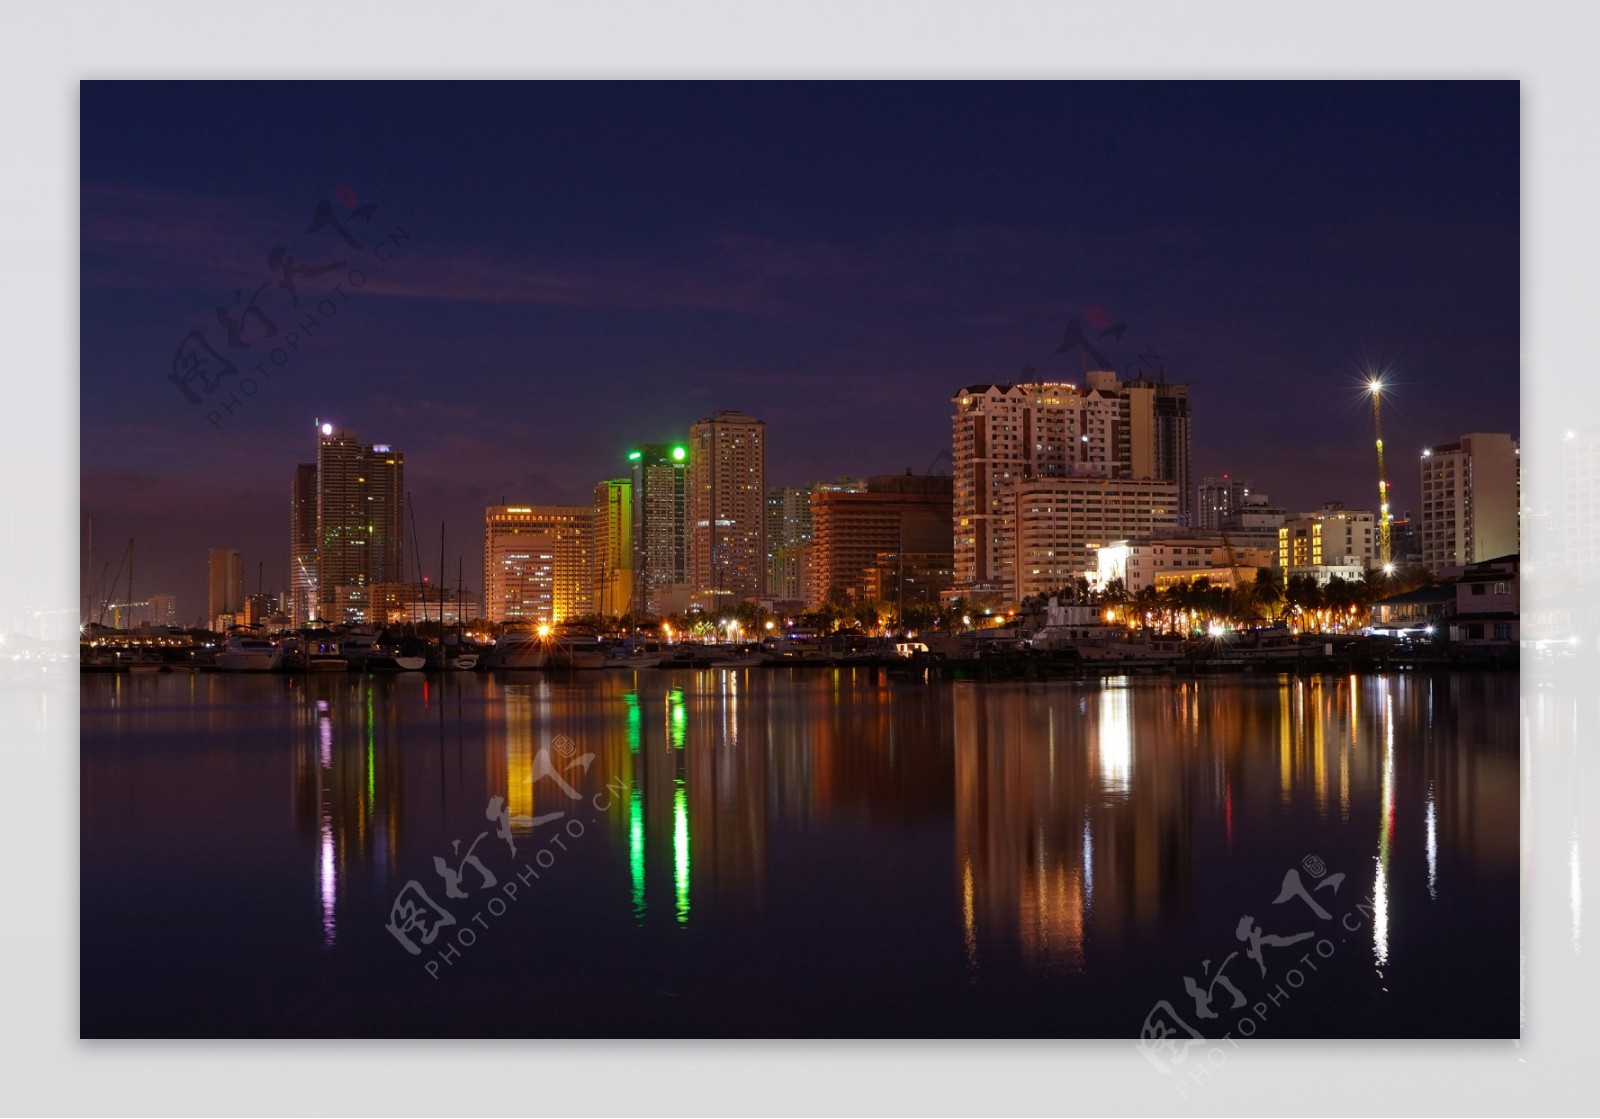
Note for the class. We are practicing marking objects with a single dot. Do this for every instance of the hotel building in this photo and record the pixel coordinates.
(536, 563)
(1334, 542)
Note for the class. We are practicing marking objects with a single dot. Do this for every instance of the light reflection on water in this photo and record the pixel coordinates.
(1078, 833)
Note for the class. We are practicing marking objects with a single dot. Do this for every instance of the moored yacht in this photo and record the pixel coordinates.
(248, 654)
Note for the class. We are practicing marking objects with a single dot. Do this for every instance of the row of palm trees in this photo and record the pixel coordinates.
(1269, 599)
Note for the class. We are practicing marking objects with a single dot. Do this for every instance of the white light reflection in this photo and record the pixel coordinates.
(325, 741)
(1115, 741)
(1575, 889)
(1088, 863)
(327, 880)
(1433, 846)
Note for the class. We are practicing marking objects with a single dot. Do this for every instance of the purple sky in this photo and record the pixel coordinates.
(593, 265)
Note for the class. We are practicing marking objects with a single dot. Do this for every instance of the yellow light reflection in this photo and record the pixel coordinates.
(1380, 887)
(968, 917)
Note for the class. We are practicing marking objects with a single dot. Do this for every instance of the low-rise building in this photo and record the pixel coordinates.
(1157, 561)
(1422, 609)
(1487, 604)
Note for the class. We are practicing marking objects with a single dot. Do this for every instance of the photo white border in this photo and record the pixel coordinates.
(49, 1071)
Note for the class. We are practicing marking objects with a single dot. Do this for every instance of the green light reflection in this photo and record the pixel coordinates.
(636, 851)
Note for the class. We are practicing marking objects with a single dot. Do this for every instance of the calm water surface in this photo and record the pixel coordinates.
(797, 853)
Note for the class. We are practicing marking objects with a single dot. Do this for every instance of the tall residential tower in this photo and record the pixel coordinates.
(727, 508)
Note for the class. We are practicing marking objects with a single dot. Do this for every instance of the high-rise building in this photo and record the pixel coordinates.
(1004, 435)
(1219, 498)
(522, 542)
(1471, 492)
(224, 583)
(303, 544)
(360, 520)
(856, 534)
(660, 526)
(613, 547)
(1334, 541)
(1062, 523)
(727, 508)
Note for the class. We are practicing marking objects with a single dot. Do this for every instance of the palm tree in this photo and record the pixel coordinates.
(1267, 595)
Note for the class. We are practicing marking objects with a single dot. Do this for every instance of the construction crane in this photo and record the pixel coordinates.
(1240, 595)
(1385, 553)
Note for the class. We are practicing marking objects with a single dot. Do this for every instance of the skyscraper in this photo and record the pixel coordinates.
(520, 543)
(224, 583)
(612, 558)
(1006, 435)
(727, 508)
(303, 544)
(660, 526)
(1471, 493)
(360, 521)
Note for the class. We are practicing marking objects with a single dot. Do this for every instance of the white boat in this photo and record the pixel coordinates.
(462, 662)
(750, 661)
(634, 660)
(248, 654)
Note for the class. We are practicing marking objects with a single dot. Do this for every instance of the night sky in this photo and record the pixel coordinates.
(591, 265)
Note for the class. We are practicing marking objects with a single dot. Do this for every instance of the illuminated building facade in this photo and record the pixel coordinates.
(1060, 525)
(409, 603)
(1161, 560)
(1471, 492)
(536, 563)
(360, 520)
(613, 547)
(660, 525)
(1007, 435)
(852, 532)
(224, 583)
(1335, 542)
(727, 508)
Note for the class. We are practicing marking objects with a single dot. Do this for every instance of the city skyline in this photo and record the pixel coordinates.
(944, 241)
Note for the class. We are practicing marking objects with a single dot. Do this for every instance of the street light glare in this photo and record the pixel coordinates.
(1375, 385)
